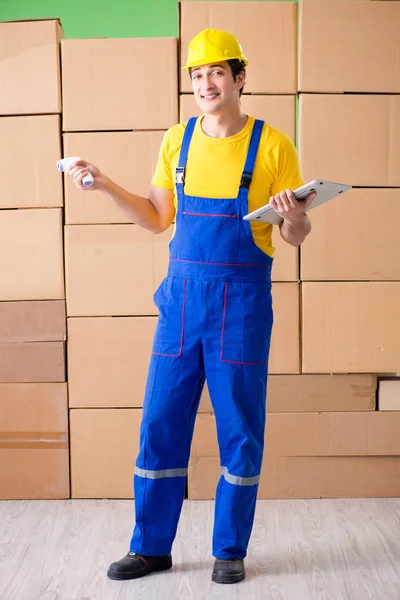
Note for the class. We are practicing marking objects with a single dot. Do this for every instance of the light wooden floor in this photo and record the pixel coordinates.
(300, 550)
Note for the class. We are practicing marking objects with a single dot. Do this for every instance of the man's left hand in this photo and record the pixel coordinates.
(290, 209)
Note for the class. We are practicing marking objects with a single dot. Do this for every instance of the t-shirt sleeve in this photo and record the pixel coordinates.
(162, 177)
(288, 173)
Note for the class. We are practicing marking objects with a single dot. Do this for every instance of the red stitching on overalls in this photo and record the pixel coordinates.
(209, 215)
(183, 326)
(233, 362)
(219, 263)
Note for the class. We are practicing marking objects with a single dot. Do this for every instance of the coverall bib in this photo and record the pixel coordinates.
(215, 320)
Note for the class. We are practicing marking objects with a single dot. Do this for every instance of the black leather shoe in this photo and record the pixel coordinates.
(229, 570)
(135, 565)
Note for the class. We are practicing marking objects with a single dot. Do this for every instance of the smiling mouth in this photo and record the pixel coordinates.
(210, 96)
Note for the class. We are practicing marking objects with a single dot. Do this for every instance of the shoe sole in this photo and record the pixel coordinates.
(124, 576)
(228, 578)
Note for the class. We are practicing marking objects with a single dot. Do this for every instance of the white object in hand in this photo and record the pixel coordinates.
(64, 163)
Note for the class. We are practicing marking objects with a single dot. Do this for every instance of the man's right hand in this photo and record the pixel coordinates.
(80, 169)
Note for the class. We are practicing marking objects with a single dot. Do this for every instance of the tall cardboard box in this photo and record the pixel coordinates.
(284, 355)
(350, 327)
(29, 149)
(30, 67)
(113, 270)
(266, 31)
(31, 254)
(366, 253)
(114, 84)
(312, 393)
(278, 111)
(357, 45)
(108, 359)
(104, 447)
(34, 457)
(350, 138)
(128, 158)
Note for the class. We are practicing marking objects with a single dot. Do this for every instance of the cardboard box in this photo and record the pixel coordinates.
(308, 477)
(104, 447)
(266, 31)
(31, 254)
(114, 84)
(351, 327)
(286, 259)
(113, 270)
(371, 433)
(32, 362)
(129, 158)
(352, 139)
(389, 394)
(278, 111)
(39, 321)
(285, 341)
(312, 393)
(34, 458)
(108, 360)
(29, 149)
(349, 47)
(369, 252)
(30, 67)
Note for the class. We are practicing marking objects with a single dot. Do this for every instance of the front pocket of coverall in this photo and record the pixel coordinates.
(246, 323)
(170, 299)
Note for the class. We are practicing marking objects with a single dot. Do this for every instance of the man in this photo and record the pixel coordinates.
(215, 307)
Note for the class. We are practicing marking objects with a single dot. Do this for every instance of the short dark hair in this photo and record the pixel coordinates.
(237, 66)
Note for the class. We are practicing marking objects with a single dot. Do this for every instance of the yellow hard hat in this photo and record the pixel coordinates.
(212, 46)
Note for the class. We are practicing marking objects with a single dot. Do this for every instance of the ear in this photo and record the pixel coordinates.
(241, 79)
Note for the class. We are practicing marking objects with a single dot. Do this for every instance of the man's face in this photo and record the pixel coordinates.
(214, 87)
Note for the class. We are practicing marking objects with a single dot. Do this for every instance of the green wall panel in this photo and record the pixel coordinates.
(101, 18)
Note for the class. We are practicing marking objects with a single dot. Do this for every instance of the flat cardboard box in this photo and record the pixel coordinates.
(284, 355)
(307, 477)
(113, 270)
(266, 31)
(30, 67)
(34, 457)
(357, 44)
(114, 84)
(366, 253)
(38, 321)
(104, 447)
(348, 138)
(128, 158)
(372, 433)
(277, 111)
(29, 149)
(351, 327)
(312, 393)
(32, 362)
(389, 394)
(31, 254)
(108, 359)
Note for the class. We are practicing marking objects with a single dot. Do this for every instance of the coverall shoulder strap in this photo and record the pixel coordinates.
(251, 154)
(187, 136)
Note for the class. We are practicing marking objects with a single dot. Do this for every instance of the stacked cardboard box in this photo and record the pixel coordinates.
(114, 117)
(324, 436)
(33, 396)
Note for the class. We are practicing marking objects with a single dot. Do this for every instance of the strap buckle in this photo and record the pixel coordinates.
(180, 175)
(246, 180)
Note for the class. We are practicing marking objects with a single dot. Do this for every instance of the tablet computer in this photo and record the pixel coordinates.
(326, 190)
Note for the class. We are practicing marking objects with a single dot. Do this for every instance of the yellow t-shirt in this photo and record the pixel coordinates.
(215, 165)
